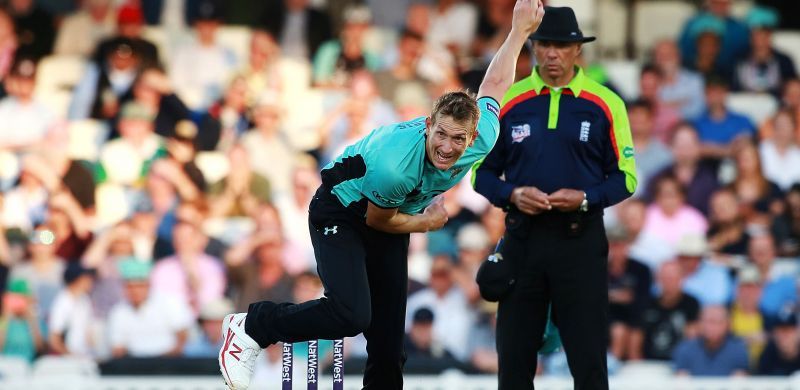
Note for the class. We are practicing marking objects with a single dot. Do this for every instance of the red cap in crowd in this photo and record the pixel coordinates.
(130, 14)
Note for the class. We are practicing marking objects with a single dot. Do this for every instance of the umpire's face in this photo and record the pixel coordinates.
(447, 140)
(556, 59)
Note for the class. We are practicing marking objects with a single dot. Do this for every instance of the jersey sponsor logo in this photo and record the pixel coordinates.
(520, 132)
(584, 136)
(491, 108)
(454, 172)
(383, 199)
(627, 152)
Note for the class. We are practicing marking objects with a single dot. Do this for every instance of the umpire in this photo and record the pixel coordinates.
(565, 153)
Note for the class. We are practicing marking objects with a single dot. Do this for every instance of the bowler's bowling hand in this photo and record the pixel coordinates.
(566, 199)
(436, 214)
(528, 15)
(530, 200)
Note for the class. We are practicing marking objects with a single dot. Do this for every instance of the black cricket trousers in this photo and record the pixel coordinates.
(560, 260)
(365, 275)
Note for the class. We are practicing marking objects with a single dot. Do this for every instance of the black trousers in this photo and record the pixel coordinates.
(365, 275)
(560, 262)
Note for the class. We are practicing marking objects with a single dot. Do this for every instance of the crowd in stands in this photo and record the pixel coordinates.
(191, 201)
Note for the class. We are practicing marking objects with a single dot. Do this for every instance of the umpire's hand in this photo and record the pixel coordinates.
(530, 200)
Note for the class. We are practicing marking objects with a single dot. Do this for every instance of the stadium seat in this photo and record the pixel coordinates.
(237, 39)
(611, 31)
(65, 366)
(789, 43)
(85, 138)
(655, 20)
(59, 73)
(625, 76)
(758, 107)
(12, 368)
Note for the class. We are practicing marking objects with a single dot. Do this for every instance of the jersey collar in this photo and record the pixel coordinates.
(575, 85)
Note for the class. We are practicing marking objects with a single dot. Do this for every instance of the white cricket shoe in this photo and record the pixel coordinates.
(238, 354)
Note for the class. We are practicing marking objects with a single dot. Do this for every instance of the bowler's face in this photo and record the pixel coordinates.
(447, 140)
(555, 59)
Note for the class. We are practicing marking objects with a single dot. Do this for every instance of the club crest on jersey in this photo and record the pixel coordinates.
(520, 132)
(584, 136)
(455, 171)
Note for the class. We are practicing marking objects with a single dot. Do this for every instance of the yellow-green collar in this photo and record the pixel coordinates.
(575, 85)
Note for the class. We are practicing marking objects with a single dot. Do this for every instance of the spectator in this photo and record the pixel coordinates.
(421, 344)
(293, 206)
(200, 86)
(268, 70)
(446, 300)
(227, 119)
(781, 357)
(702, 279)
(697, 176)
(8, 46)
(452, 26)
(474, 247)
(629, 283)
(707, 35)
(337, 60)
(715, 352)
(127, 160)
(652, 156)
(207, 340)
(130, 27)
(746, 320)
(481, 346)
(643, 246)
(103, 255)
(80, 32)
(255, 269)
(733, 33)
(665, 114)
(680, 88)
(719, 127)
(181, 153)
(667, 318)
(779, 290)
(26, 121)
(242, 190)
(35, 28)
(403, 76)
(59, 174)
(268, 142)
(146, 324)
(790, 101)
(70, 324)
(70, 226)
(299, 28)
(758, 196)
(25, 205)
(190, 275)
(360, 112)
(669, 217)
(43, 272)
(780, 154)
(107, 85)
(152, 89)
(786, 227)
(20, 335)
(765, 69)
(727, 233)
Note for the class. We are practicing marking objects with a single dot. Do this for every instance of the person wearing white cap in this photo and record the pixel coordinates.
(707, 281)
(206, 339)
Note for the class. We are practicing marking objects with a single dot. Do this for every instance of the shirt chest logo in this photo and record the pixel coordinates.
(520, 132)
(454, 172)
(584, 136)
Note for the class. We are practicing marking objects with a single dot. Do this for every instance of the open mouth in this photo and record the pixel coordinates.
(443, 158)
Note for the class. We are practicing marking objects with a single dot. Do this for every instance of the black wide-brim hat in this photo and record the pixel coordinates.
(559, 24)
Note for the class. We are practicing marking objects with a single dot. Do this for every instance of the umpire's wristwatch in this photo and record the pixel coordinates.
(584, 204)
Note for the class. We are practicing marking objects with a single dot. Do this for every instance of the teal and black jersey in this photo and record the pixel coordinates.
(389, 166)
